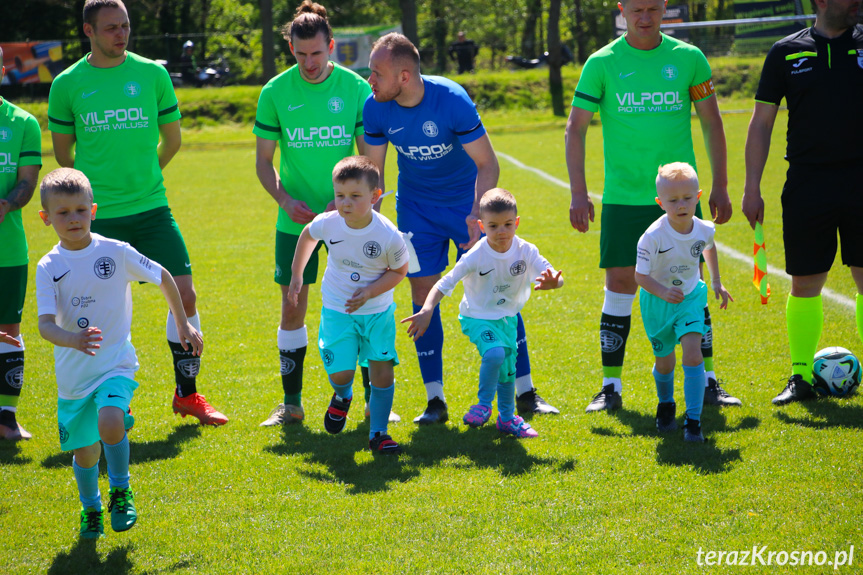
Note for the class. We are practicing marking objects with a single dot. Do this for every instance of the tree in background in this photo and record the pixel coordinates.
(555, 81)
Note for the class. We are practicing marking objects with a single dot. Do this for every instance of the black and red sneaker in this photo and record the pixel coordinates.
(384, 444)
(337, 414)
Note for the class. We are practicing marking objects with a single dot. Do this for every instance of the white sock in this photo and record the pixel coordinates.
(523, 384)
(618, 384)
(292, 338)
(434, 389)
(708, 375)
(171, 326)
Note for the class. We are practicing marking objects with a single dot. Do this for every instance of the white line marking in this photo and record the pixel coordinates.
(733, 254)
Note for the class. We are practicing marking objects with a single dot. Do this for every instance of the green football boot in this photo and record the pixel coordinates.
(91, 524)
(122, 508)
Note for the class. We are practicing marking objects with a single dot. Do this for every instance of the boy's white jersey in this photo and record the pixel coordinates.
(672, 258)
(357, 258)
(91, 288)
(496, 285)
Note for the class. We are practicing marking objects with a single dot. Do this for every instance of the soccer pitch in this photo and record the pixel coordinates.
(593, 493)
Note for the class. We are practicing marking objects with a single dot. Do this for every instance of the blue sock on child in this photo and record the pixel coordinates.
(506, 400)
(693, 390)
(87, 479)
(430, 348)
(664, 385)
(117, 458)
(380, 405)
(344, 391)
(489, 372)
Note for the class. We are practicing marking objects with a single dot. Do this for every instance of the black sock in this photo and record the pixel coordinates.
(367, 383)
(613, 332)
(11, 377)
(292, 373)
(186, 368)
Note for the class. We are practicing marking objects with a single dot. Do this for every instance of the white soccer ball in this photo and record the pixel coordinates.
(836, 371)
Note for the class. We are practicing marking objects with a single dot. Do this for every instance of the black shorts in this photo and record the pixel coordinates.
(818, 202)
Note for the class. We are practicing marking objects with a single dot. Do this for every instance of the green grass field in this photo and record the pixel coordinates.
(593, 494)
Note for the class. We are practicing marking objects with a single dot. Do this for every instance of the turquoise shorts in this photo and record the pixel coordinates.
(488, 333)
(78, 419)
(344, 338)
(665, 323)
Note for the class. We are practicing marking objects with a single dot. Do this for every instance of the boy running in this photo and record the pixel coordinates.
(673, 296)
(496, 274)
(85, 310)
(367, 258)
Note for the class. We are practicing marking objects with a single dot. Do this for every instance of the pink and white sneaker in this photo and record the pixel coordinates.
(516, 426)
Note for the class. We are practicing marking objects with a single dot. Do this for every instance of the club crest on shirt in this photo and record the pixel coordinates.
(518, 268)
(132, 89)
(372, 249)
(336, 105)
(669, 72)
(487, 336)
(104, 268)
(697, 248)
(6, 133)
(430, 129)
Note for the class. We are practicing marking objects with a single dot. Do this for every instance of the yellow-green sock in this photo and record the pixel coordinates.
(805, 319)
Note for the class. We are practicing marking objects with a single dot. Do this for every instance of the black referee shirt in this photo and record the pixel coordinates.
(822, 81)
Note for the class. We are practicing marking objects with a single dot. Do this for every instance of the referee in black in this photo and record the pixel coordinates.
(819, 72)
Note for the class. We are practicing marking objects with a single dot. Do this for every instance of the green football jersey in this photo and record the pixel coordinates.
(115, 114)
(644, 98)
(20, 145)
(316, 125)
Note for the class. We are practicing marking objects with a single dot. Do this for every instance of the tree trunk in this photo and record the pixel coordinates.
(528, 36)
(439, 35)
(268, 50)
(409, 21)
(555, 81)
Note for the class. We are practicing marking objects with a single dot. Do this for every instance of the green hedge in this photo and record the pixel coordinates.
(507, 90)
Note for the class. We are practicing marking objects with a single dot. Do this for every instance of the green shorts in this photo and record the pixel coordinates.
(345, 338)
(154, 233)
(620, 229)
(78, 419)
(665, 323)
(286, 245)
(14, 282)
(488, 333)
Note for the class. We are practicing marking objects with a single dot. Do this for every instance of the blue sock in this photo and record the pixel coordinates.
(117, 458)
(380, 405)
(489, 372)
(506, 400)
(522, 360)
(88, 485)
(430, 348)
(693, 390)
(345, 391)
(664, 385)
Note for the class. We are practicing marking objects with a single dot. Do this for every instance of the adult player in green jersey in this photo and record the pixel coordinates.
(313, 112)
(20, 160)
(113, 115)
(644, 85)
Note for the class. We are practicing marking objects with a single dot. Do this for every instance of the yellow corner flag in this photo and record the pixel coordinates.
(759, 251)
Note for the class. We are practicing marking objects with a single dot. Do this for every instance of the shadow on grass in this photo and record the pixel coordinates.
(826, 413)
(10, 453)
(429, 446)
(706, 457)
(83, 558)
(141, 452)
(338, 454)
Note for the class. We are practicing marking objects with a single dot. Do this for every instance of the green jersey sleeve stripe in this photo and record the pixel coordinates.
(766, 102)
(358, 125)
(61, 122)
(800, 55)
(29, 155)
(266, 127)
(167, 111)
(587, 97)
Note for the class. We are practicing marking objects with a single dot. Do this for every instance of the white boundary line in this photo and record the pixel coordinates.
(733, 254)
